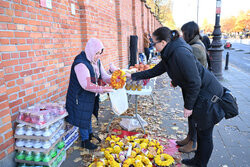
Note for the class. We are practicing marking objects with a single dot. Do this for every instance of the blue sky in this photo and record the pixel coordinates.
(186, 10)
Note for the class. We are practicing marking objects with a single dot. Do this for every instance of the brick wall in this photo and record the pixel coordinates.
(6, 138)
(99, 19)
(38, 45)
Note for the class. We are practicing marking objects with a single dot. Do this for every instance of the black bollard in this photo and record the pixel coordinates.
(227, 59)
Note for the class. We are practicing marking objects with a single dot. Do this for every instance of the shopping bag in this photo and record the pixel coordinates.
(132, 124)
(119, 101)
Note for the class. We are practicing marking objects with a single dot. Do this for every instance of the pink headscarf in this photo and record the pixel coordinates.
(93, 46)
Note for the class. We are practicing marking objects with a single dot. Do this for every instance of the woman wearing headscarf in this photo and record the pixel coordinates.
(195, 81)
(82, 98)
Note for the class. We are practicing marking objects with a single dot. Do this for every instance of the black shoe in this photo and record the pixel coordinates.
(189, 162)
(88, 145)
(91, 135)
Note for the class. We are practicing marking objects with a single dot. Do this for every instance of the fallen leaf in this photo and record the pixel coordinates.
(84, 153)
(180, 132)
(77, 159)
(175, 128)
(172, 137)
(76, 147)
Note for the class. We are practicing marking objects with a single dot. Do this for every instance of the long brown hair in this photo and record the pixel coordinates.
(190, 30)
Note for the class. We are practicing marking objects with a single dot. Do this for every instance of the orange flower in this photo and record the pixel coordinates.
(118, 79)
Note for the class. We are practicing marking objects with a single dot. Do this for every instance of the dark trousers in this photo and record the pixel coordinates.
(192, 129)
(146, 50)
(205, 146)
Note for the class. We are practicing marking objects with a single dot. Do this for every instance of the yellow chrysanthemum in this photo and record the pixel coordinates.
(145, 141)
(112, 143)
(133, 144)
(164, 160)
(150, 155)
(151, 144)
(108, 156)
(137, 141)
(120, 144)
(128, 162)
(117, 149)
(159, 151)
(143, 145)
(137, 150)
(108, 138)
(133, 154)
(138, 163)
(113, 163)
(138, 157)
(109, 149)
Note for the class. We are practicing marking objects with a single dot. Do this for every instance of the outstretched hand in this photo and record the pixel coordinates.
(107, 89)
(128, 75)
(172, 85)
(112, 67)
(187, 112)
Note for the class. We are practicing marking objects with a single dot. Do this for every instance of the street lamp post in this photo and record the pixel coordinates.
(216, 46)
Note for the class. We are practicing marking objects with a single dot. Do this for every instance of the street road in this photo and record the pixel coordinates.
(239, 56)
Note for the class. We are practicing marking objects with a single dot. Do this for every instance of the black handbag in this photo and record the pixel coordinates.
(227, 102)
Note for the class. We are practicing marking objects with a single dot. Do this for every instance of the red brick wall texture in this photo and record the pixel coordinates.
(38, 45)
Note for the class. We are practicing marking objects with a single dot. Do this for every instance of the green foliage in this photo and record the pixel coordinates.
(163, 11)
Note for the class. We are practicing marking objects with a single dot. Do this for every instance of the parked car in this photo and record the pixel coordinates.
(227, 45)
(225, 37)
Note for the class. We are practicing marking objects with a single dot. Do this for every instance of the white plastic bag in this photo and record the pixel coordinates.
(119, 101)
(132, 124)
(103, 97)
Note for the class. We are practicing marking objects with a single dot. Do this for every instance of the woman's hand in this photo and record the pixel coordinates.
(172, 84)
(112, 67)
(187, 112)
(128, 75)
(107, 89)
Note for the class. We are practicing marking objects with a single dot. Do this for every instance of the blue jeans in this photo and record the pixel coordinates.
(85, 132)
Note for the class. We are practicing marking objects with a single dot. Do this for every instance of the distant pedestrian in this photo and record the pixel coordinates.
(206, 42)
(146, 43)
(151, 41)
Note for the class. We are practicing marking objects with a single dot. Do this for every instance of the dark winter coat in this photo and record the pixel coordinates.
(206, 42)
(80, 103)
(187, 72)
